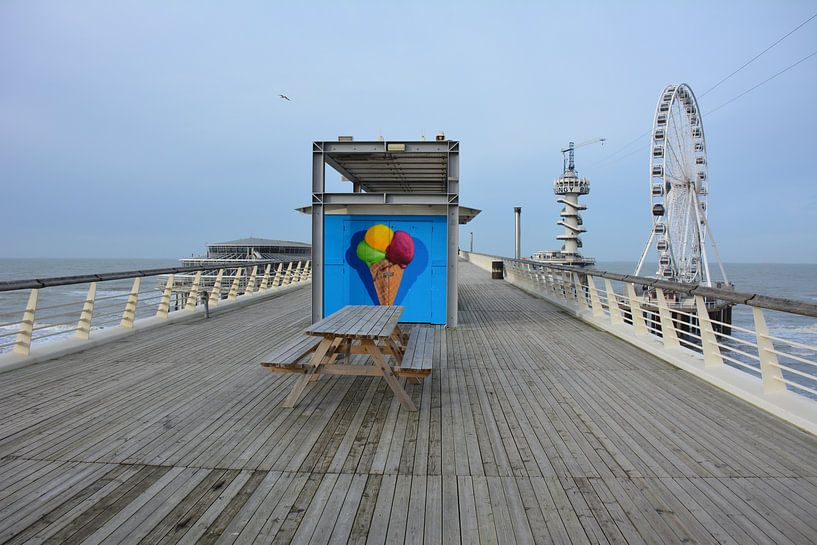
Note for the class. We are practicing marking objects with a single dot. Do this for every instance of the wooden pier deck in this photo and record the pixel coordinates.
(533, 428)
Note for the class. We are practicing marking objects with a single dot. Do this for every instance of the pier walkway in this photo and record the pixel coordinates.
(533, 428)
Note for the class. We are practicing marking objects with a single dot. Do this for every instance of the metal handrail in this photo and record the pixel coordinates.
(36, 283)
(132, 304)
(696, 342)
(792, 306)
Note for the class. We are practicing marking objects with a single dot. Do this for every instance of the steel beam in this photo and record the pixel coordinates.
(318, 188)
(452, 295)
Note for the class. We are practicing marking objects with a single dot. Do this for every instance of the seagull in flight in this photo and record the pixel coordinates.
(284, 97)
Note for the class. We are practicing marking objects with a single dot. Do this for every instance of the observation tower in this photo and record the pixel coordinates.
(568, 187)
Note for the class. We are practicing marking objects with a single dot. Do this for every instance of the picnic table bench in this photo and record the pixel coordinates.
(356, 329)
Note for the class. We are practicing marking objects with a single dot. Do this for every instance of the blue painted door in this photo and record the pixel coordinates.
(347, 279)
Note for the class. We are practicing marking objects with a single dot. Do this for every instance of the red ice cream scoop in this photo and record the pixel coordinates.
(401, 249)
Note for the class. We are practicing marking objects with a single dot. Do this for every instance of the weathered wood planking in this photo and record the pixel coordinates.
(533, 428)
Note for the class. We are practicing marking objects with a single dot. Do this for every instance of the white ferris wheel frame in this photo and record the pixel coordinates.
(679, 187)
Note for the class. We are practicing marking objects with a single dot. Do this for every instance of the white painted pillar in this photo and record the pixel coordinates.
(579, 290)
(251, 282)
(234, 287)
(595, 301)
(84, 324)
(194, 292)
(668, 332)
(612, 303)
(22, 345)
(215, 292)
(709, 342)
(130, 307)
(636, 313)
(265, 279)
(164, 303)
(770, 373)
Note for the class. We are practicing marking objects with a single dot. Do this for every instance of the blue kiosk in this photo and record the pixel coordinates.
(394, 238)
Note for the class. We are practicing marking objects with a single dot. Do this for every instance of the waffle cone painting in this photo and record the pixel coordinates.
(387, 253)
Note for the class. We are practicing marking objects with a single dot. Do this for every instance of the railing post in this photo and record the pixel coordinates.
(595, 302)
(581, 300)
(567, 286)
(234, 287)
(130, 307)
(552, 284)
(296, 275)
(22, 345)
(215, 292)
(770, 372)
(612, 303)
(251, 282)
(636, 314)
(164, 303)
(278, 280)
(667, 324)
(308, 270)
(709, 342)
(84, 324)
(265, 278)
(288, 276)
(193, 296)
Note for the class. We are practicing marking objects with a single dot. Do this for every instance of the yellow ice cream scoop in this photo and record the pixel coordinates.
(379, 237)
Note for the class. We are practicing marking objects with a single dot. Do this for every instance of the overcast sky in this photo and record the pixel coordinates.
(147, 129)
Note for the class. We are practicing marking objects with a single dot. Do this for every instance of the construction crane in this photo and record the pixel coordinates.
(568, 160)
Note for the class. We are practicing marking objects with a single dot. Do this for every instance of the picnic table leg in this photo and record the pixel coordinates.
(391, 380)
(298, 388)
(333, 356)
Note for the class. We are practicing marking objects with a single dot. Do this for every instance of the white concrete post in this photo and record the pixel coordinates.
(551, 281)
(251, 282)
(612, 303)
(194, 292)
(637, 315)
(265, 278)
(234, 287)
(22, 345)
(709, 342)
(770, 373)
(288, 276)
(164, 303)
(667, 324)
(296, 275)
(278, 280)
(215, 292)
(130, 307)
(84, 324)
(309, 269)
(595, 301)
(580, 298)
(567, 284)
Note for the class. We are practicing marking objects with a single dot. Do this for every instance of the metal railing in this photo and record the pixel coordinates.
(620, 304)
(119, 299)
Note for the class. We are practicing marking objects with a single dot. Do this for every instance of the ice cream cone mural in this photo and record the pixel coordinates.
(387, 253)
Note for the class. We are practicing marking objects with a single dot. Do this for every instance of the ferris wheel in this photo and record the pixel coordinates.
(679, 187)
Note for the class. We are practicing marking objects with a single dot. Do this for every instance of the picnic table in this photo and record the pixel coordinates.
(356, 329)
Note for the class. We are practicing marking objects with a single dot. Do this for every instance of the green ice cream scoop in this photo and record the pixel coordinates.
(369, 254)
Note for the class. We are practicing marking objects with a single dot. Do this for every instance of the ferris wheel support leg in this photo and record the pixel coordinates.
(714, 244)
(701, 218)
(644, 253)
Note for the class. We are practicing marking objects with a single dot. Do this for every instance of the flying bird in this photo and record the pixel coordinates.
(285, 97)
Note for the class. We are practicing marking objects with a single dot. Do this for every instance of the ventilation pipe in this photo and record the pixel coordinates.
(517, 254)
